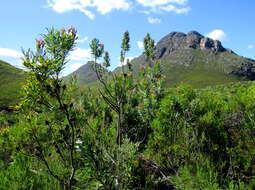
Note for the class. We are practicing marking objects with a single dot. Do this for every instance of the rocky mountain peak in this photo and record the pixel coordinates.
(209, 44)
(177, 41)
(195, 33)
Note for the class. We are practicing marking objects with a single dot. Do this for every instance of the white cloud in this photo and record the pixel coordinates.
(140, 44)
(144, 12)
(217, 35)
(172, 8)
(12, 57)
(82, 40)
(250, 46)
(153, 20)
(77, 58)
(154, 3)
(79, 54)
(102, 6)
(87, 13)
(165, 6)
(130, 58)
(6, 52)
(71, 67)
(106, 6)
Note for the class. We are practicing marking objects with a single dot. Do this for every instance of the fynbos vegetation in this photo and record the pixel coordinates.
(129, 133)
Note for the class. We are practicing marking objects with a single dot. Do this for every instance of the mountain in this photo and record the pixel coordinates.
(193, 59)
(85, 74)
(199, 61)
(11, 79)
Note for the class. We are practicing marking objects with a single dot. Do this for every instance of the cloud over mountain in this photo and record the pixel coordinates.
(217, 35)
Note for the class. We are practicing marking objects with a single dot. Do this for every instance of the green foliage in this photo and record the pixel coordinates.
(51, 120)
(213, 123)
(123, 94)
(197, 68)
(149, 47)
(127, 133)
(199, 176)
(12, 79)
(20, 176)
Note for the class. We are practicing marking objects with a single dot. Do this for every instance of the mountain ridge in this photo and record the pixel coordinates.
(197, 60)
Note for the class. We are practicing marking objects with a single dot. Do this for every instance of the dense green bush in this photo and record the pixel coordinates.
(128, 134)
(215, 124)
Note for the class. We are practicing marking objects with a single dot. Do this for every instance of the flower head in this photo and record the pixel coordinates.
(72, 30)
(101, 46)
(40, 43)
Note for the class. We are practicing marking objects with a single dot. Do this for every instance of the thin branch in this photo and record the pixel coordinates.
(44, 159)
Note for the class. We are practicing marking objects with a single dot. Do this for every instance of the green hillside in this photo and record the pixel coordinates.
(11, 79)
(85, 75)
(199, 68)
(191, 59)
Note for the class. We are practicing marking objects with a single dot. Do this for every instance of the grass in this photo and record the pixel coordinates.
(11, 79)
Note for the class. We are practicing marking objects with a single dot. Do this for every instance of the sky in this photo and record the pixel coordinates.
(23, 21)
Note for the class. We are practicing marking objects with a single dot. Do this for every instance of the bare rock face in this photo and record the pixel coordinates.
(193, 39)
(218, 46)
(211, 45)
(206, 44)
(170, 43)
(177, 41)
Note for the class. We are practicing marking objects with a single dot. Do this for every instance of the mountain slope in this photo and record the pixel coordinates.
(85, 74)
(11, 79)
(193, 59)
(199, 61)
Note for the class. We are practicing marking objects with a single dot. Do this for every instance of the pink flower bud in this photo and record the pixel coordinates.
(101, 46)
(72, 30)
(40, 43)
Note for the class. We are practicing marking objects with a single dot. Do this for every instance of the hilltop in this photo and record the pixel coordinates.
(193, 59)
(10, 84)
(85, 74)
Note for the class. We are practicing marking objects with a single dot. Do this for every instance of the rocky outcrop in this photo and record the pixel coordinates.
(246, 70)
(193, 40)
(170, 43)
(211, 45)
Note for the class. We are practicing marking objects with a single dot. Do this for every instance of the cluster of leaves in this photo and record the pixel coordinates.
(217, 125)
(80, 138)
(127, 134)
(133, 101)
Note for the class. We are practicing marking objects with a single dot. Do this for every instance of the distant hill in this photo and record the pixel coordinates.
(85, 74)
(193, 59)
(11, 79)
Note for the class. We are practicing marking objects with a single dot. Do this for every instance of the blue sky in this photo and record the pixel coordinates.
(231, 21)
